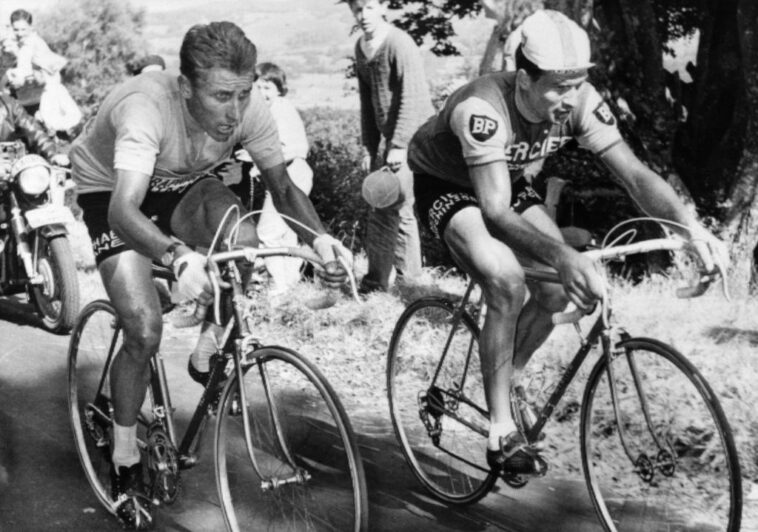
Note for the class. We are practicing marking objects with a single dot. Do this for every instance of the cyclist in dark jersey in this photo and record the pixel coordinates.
(468, 164)
(143, 170)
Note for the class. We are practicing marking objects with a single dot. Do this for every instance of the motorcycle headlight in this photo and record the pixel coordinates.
(32, 173)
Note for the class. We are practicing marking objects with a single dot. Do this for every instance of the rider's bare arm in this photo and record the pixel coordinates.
(129, 223)
(493, 190)
(651, 193)
(291, 201)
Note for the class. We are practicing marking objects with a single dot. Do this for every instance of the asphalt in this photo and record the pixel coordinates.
(42, 486)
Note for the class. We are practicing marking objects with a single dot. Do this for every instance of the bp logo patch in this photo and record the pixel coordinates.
(604, 114)
(482, 127)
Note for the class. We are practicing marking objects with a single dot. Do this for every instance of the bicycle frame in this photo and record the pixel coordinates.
(602, 331)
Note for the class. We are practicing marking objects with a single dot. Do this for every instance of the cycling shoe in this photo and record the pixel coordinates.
(516, 457)
(133, 508)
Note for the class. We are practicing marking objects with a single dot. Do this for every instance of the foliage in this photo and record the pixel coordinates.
(98, 37)
(434, 19)
(335, 157)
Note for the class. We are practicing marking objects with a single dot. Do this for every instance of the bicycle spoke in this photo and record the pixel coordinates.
(305, 472)
(437, 403)
(679, 469)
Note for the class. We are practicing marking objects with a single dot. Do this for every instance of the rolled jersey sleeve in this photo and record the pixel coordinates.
(259, 135)
(481, 131)
(139, 128)
(597, 128)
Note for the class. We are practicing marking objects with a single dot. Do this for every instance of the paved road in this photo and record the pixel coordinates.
(43, 488)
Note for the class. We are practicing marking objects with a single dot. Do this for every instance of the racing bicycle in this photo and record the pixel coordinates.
(656, 448)
(285, 454)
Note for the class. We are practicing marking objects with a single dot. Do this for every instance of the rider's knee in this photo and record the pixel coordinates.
(505, 289)
(142, 337)
(551, 298)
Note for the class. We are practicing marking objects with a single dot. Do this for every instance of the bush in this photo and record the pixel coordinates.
(98, 37)
(335, 157)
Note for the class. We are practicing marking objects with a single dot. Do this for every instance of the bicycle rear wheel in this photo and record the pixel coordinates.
(95, 340)
(683, 473)
(435, 403)
(305, 471)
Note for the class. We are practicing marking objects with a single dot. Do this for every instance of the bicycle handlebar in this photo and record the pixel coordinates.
(646, 246)
(249, 254)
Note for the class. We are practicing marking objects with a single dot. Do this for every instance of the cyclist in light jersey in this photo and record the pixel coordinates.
(142, 171)
(468, 164)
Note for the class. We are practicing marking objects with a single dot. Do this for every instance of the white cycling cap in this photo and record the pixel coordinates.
(554, 42)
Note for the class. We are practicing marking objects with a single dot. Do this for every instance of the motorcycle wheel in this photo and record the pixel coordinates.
(57, 298)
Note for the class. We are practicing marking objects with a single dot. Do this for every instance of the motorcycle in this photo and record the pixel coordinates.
(35, 252)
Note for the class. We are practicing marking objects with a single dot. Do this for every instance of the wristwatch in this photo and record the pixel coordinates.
(167, 259)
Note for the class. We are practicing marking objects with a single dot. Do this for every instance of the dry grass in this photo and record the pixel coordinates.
(349, 342)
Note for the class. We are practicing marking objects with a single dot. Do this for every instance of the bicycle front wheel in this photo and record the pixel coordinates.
(663, 458)
(303, 470)
(437, 401)
(95, 340)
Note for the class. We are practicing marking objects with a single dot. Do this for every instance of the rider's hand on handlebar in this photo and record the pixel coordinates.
(192, 278)
(331, 250)
(712, 252)
(581, 280)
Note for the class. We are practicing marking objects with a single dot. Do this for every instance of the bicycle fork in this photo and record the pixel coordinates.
(299, 475)
(665, 459)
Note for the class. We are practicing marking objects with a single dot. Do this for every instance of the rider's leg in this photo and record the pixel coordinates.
(535, 323)
(128, 281)
(495, 267)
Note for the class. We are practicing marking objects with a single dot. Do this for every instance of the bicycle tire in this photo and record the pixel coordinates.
(95, 340)
(318, 438)
(690, 479)
(447, 457)
(95, 334)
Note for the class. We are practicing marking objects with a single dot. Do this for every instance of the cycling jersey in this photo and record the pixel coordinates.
(143, 125)
(480, 124)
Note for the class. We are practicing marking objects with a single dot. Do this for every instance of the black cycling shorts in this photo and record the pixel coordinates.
(438, 200)
(158, 206)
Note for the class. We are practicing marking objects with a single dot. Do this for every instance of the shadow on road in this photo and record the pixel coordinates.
(42, 486)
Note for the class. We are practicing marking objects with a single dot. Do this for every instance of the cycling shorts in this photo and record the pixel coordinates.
(438, 200)
(158, 206)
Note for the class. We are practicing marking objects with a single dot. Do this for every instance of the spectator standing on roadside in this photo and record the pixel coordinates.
(273, 231)
(395, 101)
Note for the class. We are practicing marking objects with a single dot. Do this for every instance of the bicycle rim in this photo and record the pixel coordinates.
(94, 341)
(446, 456)
(313, 454)
(689, 480)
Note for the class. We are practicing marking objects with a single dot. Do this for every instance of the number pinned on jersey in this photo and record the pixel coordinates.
(604, 114)
(482, 127)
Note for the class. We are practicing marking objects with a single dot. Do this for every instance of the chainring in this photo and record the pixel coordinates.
(163, 465)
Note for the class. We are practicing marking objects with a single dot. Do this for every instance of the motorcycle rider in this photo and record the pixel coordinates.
(16, 123)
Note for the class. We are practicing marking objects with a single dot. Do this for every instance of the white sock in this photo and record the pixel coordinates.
(207, 345)
(497, 431)
(125, 450)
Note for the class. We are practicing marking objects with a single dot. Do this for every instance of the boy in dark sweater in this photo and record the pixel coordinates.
(395, 101)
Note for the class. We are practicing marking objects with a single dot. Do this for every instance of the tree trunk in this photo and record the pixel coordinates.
(708, 146)
(741, 220)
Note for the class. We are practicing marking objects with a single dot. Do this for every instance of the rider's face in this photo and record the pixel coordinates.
(552, 96)
(369, 14)
(218, 100)
(21, 29)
